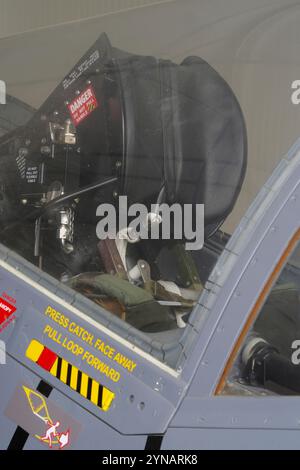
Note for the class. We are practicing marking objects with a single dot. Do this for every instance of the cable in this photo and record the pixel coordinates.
(80, 192)
(58, 201)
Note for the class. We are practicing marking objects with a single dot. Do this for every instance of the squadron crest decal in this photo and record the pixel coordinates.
(39, 408)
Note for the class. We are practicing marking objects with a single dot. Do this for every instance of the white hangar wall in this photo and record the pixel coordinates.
(17, 16)
(254, 44)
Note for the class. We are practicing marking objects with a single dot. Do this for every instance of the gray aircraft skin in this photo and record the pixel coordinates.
(156, 404)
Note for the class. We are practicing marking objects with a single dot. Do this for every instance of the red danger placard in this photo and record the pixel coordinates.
(83, 106)
(6, 310)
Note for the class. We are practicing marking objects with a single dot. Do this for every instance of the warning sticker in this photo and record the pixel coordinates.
(70, 375)
(6, 310)
(42, 418)
(83, 106)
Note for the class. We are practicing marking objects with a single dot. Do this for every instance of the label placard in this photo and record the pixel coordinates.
(6, 310)
(83, 106)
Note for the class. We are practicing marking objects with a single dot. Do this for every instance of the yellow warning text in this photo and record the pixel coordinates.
(87, 337)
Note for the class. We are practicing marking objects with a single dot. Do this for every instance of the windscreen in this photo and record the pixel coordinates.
(132, 144)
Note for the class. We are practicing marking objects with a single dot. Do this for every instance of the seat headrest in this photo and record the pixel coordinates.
(184, 128)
